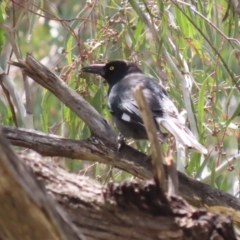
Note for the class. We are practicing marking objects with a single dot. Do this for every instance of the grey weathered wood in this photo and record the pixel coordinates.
(127, 210)
(195, 192)
(156, 154)
(26, 211)
(46, 78)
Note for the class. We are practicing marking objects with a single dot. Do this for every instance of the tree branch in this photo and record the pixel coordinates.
(129, 159)
(157, 157)
(103, 148)
(25, 203)
(43, 76)
(89, 211)
(92, 149)
(127, 210)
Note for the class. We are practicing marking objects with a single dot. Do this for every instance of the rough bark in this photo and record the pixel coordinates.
(196, 193)
(128, 210)
(26, 212)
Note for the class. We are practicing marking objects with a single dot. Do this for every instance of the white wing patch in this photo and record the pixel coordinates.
(126, 117)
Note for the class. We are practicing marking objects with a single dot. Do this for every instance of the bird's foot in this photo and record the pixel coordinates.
(121, 142)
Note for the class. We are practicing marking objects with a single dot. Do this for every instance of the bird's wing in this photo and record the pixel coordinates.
(128, 111)
(123, 105)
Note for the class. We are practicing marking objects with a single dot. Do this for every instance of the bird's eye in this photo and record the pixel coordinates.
(111, 68)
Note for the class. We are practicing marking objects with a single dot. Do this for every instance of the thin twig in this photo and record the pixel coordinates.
(28, 122)
(8, 84)
(221, 168)
(7, 95)
(216, 51)
(157, 158)
(211, 23)
(172, 176)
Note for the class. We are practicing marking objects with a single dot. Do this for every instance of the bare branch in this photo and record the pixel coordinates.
(129, 159)
(92, 149)
(8, 84)
(28, 120)
(43, 76)
(157, 158)
(172, 176)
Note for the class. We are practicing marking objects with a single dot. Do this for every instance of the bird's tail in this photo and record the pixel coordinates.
(181, 133)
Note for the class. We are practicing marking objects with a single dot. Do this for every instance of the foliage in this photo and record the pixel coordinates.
(185, 45)
(2, 13)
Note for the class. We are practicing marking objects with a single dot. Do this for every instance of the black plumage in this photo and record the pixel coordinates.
(122, 77)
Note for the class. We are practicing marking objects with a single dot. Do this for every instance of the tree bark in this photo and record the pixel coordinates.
(195, 192)
(26, 211)
(84, 209)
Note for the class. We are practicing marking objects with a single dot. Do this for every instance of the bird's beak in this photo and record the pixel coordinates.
(95, 68)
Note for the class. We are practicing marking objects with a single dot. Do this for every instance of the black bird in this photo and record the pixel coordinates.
(122, 77)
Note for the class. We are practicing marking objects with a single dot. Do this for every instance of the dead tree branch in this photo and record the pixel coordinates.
(128, 210)
(44, 77)
(130, 160)
(157, 156)
(24, 202)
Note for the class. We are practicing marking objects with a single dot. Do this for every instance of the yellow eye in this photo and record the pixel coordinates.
(111, 68)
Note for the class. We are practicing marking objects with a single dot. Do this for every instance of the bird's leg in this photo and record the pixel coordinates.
(121, 141)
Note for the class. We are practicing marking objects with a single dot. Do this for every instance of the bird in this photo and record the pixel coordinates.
(122, 77)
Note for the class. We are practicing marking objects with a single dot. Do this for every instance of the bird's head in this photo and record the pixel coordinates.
(112, 71)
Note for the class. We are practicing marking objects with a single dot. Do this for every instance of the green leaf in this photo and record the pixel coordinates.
(46, 105)
(213, 167)
(5, 114)
(3, 5)
(224, 183)
(2, 32)
(235, 114)
(97, 100)
(2, 39)
(69, 49)
(202, 167)
(201, 100)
